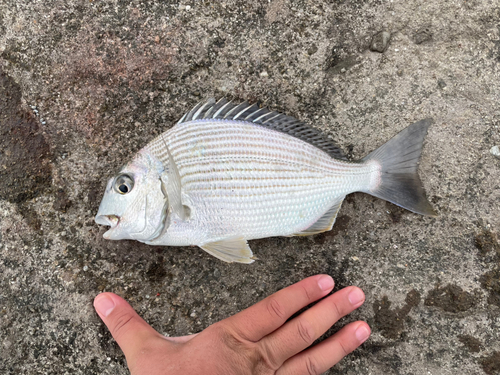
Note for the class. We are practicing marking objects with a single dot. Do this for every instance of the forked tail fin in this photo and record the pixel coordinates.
(399, 181)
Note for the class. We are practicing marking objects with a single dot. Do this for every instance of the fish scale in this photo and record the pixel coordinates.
(228, 173)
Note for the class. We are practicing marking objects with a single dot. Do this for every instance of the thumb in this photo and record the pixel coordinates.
(129, 330)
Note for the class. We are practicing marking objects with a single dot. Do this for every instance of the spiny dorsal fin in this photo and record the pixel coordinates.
(230, 250)
(223, 109)
(325, 222)
(198, 111)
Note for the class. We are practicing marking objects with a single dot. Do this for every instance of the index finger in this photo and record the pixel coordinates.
(271, 313)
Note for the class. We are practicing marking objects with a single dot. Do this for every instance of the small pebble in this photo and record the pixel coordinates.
(380, 41)
(264, 74)
(495, 151)
(85, 268)
(312, 49)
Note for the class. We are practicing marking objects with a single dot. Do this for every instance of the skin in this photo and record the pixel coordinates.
(258, 340)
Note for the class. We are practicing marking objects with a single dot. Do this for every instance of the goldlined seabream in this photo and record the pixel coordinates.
(227, 173)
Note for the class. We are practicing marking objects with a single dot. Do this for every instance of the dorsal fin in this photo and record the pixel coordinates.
(223, 109)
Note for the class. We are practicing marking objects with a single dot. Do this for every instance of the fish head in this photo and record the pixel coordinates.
(133, 202)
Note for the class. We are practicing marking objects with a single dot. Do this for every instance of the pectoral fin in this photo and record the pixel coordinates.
(230, 250)
(171, 183)
(325, 222)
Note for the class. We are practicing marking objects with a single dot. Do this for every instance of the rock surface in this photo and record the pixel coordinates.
(84, 85)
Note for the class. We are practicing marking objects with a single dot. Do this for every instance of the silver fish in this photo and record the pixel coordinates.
(228, 173)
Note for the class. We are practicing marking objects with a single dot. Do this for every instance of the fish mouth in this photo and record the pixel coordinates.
(109, 220)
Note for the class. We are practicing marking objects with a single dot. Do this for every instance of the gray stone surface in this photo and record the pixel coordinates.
(85, 84)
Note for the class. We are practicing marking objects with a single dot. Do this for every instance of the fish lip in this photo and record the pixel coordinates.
(108, 220)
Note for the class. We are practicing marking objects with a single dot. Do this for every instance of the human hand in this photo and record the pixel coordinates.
(258, 340)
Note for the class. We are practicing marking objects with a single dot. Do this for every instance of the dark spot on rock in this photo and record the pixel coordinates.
(339, 60)
(341, 224)
(11, 263)
(491, 282)
(351, 200)
(343, 65)
(450, 298)
(24, 153)
(422, 35)
(390, 322)
(491, 364)
(471, 343)
(156, 271)
(441, 83)
(487, 242)
(376, 347)
(489, 247)
(62, 202)
(12, 53)
(395, 212)
(412, 299)
(31, 217)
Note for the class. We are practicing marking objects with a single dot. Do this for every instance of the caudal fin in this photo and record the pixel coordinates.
(399, 158)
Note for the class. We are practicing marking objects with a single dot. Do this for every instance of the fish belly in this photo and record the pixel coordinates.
(249, 181)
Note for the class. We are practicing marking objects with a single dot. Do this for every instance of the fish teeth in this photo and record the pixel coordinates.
(109, 220)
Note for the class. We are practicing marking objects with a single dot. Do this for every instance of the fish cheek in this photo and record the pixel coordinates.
(134, 218)
(146, 212)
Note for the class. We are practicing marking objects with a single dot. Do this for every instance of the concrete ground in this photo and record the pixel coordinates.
(85, 84)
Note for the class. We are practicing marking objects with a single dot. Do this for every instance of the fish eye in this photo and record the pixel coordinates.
(124, 184)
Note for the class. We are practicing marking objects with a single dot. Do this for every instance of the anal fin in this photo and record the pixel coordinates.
(325, 222)
(234, 249)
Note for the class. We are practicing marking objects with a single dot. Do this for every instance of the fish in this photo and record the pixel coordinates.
(227, 173)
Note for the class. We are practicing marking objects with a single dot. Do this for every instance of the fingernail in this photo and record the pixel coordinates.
(362, 333)
(104, 305)
(325, 282)
(356, 296)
